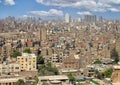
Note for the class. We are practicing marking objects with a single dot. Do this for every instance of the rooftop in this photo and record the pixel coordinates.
(117, 67)
(27, 55)
(53, 77)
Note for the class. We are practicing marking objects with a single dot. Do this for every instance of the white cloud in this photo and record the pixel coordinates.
(90, 5)
(0, 1)
(113, 9)
(84, 13)
(51, 12)
(110, 1)
(9, 2)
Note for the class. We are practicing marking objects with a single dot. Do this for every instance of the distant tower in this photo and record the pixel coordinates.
(79, 19)
(100, 19)
(67, 18)
(90, 18)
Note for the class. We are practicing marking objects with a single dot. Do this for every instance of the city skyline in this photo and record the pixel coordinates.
(109, 9)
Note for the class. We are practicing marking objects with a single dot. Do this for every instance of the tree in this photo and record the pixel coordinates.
(45, 83)
(114, 55)
(20, 82)
(47, 69)
(55, 70)
(40, 60)
(71, 77)
(16, 53)
(36, 81)
(108, 73)
(27, 50)
(98, 62)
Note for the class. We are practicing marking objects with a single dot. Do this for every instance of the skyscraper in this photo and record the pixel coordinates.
(90, 18)
(67, 18)
(100, 19)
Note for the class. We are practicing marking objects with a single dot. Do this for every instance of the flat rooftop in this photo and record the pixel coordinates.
(115, 83)
(8, 79)
(53, 77)
(116, 67)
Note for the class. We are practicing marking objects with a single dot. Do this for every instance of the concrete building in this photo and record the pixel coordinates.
(42, 35)
(9, 68)
(27, 62)
(116, 76)
(70, 63)
(100, 19)
(53, 80)
(10, 80)
(90, 18)
(67, 18)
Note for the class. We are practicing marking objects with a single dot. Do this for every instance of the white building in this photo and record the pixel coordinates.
(9, 68)
(67, 18)
(54, 80)
(10, 80)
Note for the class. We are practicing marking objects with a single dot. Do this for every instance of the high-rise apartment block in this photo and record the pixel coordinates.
(90, 18)
(42, 33)
(67, 18)
(100, 19)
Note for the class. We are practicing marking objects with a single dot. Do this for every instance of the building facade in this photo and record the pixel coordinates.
(10, 80)
(71, 63)
(27, 62)
(9, 68)
(90, 18)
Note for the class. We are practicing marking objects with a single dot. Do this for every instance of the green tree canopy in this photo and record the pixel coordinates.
(20, 82)
(71, 77)
(108, 73)
(36, 81)
(47, 69)
(98, 62)
(27, 50)
(40, 60)
(16, 53)
(114, 55)
(45, 83)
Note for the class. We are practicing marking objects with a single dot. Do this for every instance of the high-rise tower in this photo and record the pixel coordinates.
(42, 34)
(67, 18)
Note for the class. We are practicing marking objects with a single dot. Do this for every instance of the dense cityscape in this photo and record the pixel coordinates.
(58, 48)
(69, 51)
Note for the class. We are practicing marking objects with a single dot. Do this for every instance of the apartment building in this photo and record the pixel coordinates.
(27, 62)
(10, 80)
(9, 68)
(71, 63)
(116, 75)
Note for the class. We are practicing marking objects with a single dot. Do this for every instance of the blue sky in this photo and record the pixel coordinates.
(109, 9)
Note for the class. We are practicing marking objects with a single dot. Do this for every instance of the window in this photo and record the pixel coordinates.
(26, 59)
(34, 66)
(16, 67)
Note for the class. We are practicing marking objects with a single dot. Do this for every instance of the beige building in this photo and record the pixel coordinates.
(9, 68)
(116, 76)
(54, 80)
(10, 80)
(27, 62)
